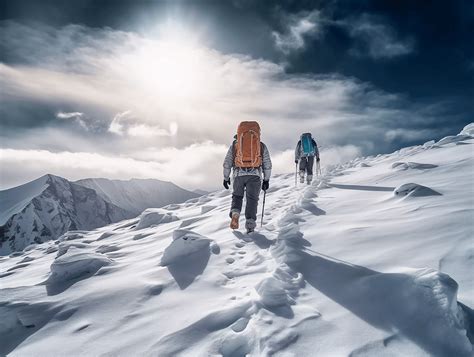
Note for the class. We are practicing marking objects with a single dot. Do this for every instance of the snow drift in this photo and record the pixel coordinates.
(345, 266)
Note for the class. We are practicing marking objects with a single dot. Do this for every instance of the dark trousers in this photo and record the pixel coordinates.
(250, 185)
(306, 164)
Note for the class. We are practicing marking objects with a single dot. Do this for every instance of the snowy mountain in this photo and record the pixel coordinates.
(200, 192)
(373, 259)
(46, 208)
(137, 195)
(50, 205)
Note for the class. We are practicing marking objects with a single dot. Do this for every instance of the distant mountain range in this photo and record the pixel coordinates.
(137, 195)
(49, 206)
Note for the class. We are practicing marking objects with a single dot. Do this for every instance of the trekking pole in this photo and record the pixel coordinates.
(318, 168)
(263, 207)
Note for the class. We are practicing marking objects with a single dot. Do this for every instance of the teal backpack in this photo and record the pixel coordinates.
(307, 145)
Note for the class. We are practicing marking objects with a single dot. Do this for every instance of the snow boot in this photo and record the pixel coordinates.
(309, 178)
(234, 222)
(250, 225)
(302, 176)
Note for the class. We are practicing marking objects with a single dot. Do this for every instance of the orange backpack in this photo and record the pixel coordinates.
(247, 146)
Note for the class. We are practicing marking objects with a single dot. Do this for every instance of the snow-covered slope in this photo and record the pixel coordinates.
(200, 192)
(373, 259)
(136, 195)
(13, 201)
(46, 208)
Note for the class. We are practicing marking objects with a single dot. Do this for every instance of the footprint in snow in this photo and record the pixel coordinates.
(215, 248)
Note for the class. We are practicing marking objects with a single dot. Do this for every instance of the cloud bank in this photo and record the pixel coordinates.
(120, 96)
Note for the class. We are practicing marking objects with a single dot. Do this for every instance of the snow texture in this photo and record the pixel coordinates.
(414, 190)
(374, 258)
(412, 165)
(75, 264)
(152, 217)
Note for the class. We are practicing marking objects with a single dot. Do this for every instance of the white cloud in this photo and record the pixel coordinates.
(115, 126)
(376, 39)
(72, 115)
(298, 28)
(125, 124)
(143, 130)
(195, 166)
(192, 167)
(224, 90)
(75, 116)
(373, 37)
(339, 154)
(157, 87)
(410, 134)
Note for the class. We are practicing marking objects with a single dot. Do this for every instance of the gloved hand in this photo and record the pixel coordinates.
(265, 185)
(226, 184)
(296, 161)
(318, 159)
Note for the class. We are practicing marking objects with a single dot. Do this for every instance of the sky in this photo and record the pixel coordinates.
(156, 89)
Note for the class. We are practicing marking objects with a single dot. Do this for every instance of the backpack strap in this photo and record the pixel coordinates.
(233, 152)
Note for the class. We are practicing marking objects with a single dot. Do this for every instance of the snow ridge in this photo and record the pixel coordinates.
(52, 206)
(136, 195)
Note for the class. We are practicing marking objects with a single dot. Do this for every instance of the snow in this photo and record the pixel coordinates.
(152, 218)
(73, 264)
(415, 190)
(345, 266)
(136, 195)
(468, 130)
(15, 199)
(48, 207)
(412, 165)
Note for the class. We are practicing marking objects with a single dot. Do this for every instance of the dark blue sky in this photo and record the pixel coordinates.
(441, 66)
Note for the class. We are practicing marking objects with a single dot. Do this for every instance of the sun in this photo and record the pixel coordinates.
(171, 67)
